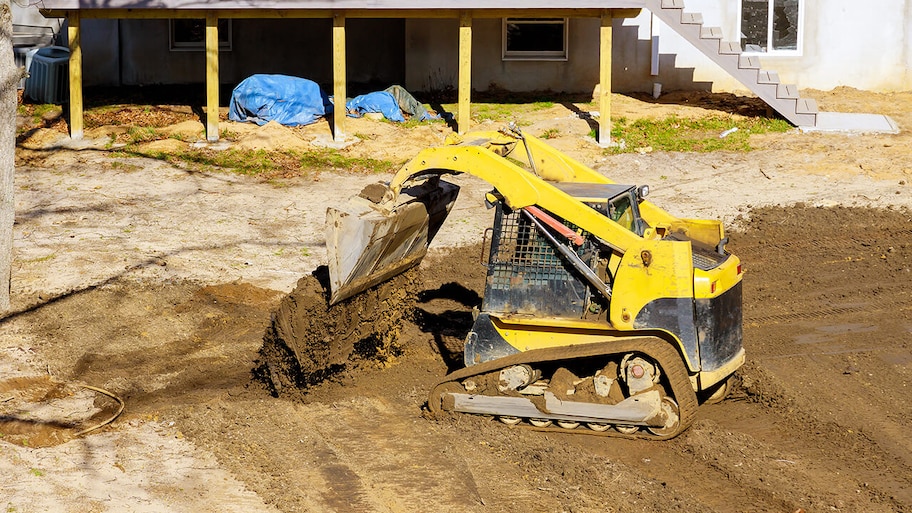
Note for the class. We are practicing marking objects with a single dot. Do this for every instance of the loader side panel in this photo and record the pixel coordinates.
(676, 316)
(719, 325)
(484, 343)
(526, 274)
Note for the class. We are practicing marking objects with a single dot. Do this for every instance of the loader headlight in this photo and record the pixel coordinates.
(642, 192)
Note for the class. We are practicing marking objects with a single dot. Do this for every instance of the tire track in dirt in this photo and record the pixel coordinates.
(387, 469)
(827, 320)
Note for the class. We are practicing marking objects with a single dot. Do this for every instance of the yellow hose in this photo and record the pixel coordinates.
(120, 410)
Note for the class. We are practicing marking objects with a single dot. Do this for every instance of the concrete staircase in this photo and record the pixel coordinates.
(784, 98)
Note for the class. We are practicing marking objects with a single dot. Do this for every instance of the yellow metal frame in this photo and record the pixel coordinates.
(339, 76)
(605, 47)
(74, 34)
(649, 267)
(212, 77)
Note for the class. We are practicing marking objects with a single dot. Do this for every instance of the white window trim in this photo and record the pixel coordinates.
(535, 56)
(186, 46)
(769, 32)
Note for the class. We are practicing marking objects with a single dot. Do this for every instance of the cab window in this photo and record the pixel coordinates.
(620, 211)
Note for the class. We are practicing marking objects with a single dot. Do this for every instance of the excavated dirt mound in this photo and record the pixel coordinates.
(309, 341)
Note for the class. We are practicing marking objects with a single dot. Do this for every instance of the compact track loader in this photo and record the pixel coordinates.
(601, 311)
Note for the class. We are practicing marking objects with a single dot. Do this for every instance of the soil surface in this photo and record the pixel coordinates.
(158, 286)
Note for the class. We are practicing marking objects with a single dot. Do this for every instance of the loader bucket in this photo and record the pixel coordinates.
(369, 242)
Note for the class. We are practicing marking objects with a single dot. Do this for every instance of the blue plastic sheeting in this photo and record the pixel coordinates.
(287, 100)
(380, 101)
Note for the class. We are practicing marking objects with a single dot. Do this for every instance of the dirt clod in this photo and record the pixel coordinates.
(374, 192)
(309, 341)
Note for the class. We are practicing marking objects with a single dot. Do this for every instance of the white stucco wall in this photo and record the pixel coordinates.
(865, 45)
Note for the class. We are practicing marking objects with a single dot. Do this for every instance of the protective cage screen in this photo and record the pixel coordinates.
(526, 274)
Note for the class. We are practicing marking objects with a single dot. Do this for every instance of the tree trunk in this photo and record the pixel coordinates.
(9, 77)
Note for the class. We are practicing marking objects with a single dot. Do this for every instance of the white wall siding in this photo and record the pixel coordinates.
(865, 45)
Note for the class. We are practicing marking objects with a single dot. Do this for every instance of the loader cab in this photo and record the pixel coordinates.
(528, 275)
(621, 203)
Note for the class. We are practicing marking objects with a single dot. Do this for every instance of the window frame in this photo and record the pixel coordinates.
(798, 51)
(225, 36)
(544, 55)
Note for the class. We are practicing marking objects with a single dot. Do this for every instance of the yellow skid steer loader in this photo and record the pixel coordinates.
(601, 311)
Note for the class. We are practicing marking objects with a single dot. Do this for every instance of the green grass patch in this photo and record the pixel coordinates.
(502, 112)
(41, 259)
(266, 164)
(229, 135)
(493, 111)
(38, 114)
(139, 134)
(690, 135)
(413, 122)
(550, 133)
(331, 160)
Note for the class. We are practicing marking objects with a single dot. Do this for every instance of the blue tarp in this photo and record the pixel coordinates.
(287, 100)
(380, 101)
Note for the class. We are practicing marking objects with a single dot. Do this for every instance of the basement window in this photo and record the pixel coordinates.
(535, 39)
(772, 26)
(190, 35)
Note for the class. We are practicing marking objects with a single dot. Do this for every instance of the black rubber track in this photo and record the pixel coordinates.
(666, 355)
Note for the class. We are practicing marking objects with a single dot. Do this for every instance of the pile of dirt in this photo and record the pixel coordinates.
(309, 340)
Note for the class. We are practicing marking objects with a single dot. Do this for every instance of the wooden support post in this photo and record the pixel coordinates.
(212, 77)
(605, 34)
(465, 72)
(73, 37)
(339, 78)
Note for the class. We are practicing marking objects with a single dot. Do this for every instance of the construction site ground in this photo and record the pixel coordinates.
(156, 284)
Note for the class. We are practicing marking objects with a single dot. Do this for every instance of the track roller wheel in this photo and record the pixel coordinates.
(568, 424)
(672, 418)
(626, 430)
(540, 423)
(509, 420)
(598, 427)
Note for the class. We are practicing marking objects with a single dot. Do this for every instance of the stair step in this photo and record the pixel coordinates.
(672, 4)
(749, 62)
(806, 106)
(729, 48)
(787, 92)
(711, 33)
(768, 77)
(691, 18)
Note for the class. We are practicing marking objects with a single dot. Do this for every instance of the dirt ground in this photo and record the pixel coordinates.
(157, 285)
